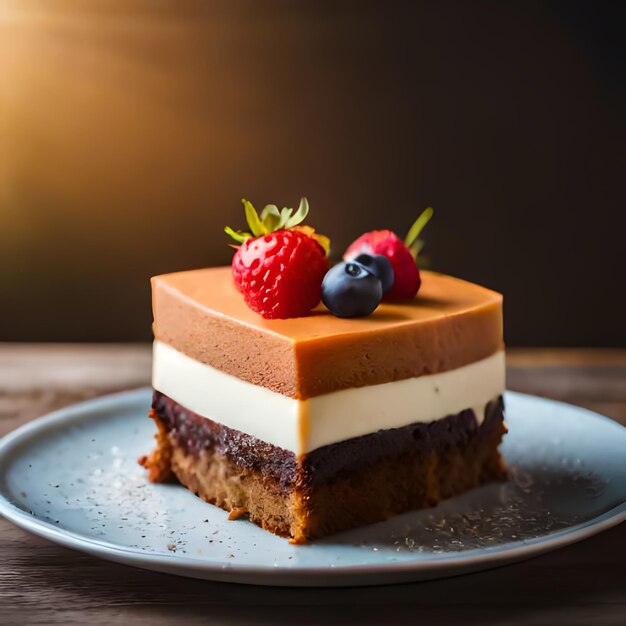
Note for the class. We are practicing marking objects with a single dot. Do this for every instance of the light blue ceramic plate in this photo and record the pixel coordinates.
(72, 477)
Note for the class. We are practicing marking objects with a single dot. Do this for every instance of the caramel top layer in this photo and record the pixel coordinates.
(449, 324)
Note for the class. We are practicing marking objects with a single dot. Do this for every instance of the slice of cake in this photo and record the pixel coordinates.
(317, 424)
(314, 420)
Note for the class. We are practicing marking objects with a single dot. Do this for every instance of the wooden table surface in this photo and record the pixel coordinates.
(41, 583)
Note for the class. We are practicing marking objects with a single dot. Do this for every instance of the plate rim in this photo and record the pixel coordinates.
(289, 575)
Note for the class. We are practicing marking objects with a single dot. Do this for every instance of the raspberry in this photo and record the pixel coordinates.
(401, 255)
(407, 278)
(280, 265)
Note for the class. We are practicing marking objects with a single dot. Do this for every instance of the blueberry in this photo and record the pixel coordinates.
(351, 290)
(378, 265)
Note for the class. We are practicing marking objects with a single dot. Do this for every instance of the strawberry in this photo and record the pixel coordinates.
(403, 255)
(280, 265)
(237, 266)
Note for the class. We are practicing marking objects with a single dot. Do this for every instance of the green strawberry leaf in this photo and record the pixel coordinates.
(269, 209)
(237, 235)
(285, 216)
(300, 214)
(271, 220)
(252, 217)
(270, 216)
(418, 226)
(416, 248)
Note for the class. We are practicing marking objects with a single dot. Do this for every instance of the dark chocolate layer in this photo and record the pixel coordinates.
(195, 433)
(456, 431)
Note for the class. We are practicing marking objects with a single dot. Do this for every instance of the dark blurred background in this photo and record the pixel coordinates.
(130, 129)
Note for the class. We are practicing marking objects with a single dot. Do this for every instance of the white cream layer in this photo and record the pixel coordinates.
(304, 425)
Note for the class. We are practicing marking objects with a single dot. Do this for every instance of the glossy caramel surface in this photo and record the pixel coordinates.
(449, 324)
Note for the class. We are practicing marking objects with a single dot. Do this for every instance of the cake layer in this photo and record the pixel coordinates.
(301, 426)
(450, 324)
(363, 480)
